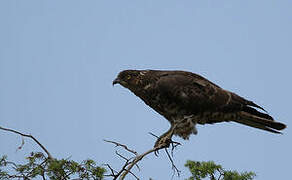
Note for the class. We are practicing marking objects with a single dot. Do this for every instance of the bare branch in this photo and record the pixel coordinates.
(122, 145)
(123, 157)
(113, 172)
(220, 173)
(173, 146)
(153, 135)
(175, 170)
(134, 175)
(136, 160)
(29, 136)
(131, 162)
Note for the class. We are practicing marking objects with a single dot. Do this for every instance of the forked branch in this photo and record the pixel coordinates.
(29, 136)
(130, 163)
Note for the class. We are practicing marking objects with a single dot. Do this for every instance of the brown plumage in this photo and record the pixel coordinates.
(185, 99)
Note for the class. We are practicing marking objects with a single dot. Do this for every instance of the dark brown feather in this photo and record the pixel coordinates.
(180, 96)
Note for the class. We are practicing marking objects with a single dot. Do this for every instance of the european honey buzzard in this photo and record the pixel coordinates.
(186, 99)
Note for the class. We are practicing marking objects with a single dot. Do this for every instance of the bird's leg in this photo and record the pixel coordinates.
(164, 140)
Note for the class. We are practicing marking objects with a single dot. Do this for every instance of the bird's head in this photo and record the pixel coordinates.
(130, 79)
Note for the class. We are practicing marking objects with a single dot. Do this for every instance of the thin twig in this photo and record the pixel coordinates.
(153, 135)
(122, 145)
(157, 137)
(173, 146)
(130, 164)
(121, 156)
(29, 136)
(122, 169)
(175, 170)
(113, 172)
(136, 160)
(220, 173)
(134, 175)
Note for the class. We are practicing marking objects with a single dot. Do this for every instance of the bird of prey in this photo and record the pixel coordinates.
(186, 99)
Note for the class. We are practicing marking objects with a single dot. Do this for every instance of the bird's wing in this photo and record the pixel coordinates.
(198, 95)
(192, 91)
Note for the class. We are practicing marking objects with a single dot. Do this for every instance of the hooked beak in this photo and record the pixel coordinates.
(116, 81)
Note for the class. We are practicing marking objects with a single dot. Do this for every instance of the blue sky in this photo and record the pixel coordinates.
(58, 60)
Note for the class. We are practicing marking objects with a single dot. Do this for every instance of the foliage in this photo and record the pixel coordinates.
(40, 167)
(201, 170)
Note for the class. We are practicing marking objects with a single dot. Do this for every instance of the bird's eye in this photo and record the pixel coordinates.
(128, 77)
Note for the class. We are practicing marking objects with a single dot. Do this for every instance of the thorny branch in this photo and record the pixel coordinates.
(130, 163)
(29, 136)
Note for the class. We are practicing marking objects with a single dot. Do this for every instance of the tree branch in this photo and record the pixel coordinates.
(29, 136)
(138, 157)
(122, 145)
(175, 170)
(135, 161)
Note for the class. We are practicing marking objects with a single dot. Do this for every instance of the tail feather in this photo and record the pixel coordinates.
(257, 125)
(260, 122)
